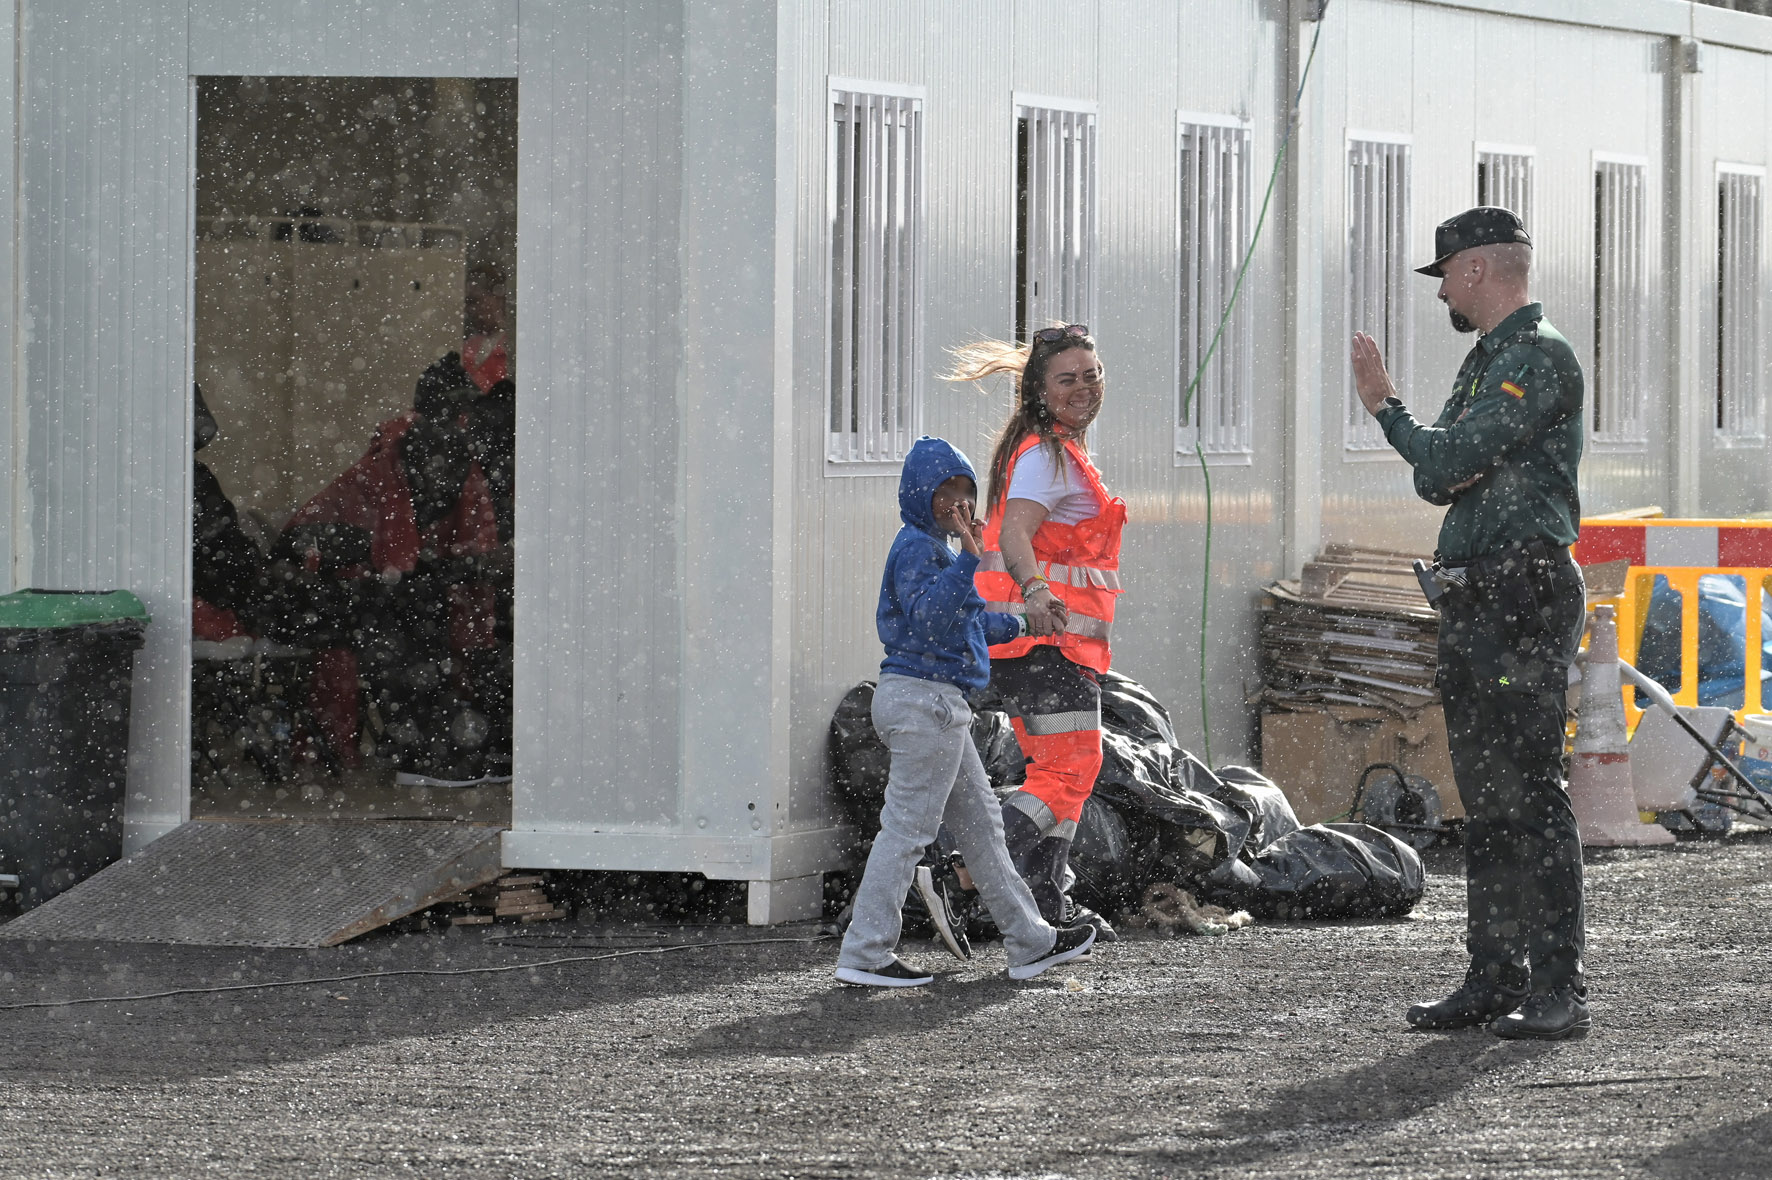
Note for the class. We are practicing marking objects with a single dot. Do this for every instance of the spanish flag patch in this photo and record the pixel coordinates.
(1512, 390)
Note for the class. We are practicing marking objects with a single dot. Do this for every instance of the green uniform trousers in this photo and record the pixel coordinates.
(1505, 647)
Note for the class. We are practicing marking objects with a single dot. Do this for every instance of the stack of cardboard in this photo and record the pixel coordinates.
(1348, 659)
(1354, 630)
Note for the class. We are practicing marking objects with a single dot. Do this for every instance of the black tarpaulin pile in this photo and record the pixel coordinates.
(1158, 814)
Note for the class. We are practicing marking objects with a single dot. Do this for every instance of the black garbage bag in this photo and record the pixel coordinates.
(859, 761)
(1269, 810)
(858, 758)
(1128, 707)
(1113, 858)
(1155, 783)
(998, 747)
(1160, 814)
(1323, 871)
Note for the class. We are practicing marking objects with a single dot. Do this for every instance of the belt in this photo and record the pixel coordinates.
(1501, 562)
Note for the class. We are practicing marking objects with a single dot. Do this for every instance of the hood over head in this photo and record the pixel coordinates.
(931, 463)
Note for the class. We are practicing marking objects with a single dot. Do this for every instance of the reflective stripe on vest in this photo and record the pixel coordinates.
(1052, 571)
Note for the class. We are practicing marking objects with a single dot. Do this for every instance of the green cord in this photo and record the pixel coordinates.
(1187, 397)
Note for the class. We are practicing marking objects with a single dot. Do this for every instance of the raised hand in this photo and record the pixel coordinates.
(1371, 381)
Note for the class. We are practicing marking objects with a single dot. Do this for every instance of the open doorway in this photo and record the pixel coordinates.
(355, 370)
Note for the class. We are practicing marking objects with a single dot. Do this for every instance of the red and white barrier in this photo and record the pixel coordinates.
(1709, 543)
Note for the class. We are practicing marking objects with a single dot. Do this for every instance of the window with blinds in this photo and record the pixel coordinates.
(1212, 234)
(1620, 304)
(1504, 179)
(875, 200)
(1378, 272)
(1741, 391)
(1055, 216)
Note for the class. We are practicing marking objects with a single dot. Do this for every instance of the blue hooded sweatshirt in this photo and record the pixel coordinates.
(931, 620)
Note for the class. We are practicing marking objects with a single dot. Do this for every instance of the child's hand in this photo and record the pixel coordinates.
(971, 531)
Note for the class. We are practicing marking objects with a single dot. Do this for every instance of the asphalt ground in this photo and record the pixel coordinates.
(1278, 1050)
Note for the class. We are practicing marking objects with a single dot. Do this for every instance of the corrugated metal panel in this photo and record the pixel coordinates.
(1057, 47)
(1203, 59)
(599, 617)
(344, 38)
(1611, 96)
(1734, 86)
(882, 40)
(12, 421)
(105, 159)
(737, 513)
(849, 522)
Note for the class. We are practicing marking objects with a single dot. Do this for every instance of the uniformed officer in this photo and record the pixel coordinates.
(1502, 456)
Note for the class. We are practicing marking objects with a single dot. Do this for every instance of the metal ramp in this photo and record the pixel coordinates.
(216, 883)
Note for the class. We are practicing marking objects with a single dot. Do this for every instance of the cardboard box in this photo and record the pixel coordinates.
(1316, 757)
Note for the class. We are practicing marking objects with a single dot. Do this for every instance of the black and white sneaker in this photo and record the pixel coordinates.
(1071, 942)
(893, 974)
(950, 927)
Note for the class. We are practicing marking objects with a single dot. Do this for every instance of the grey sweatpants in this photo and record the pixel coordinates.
(936, 776)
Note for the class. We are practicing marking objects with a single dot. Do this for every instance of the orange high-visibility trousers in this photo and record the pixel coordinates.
(1055, 707)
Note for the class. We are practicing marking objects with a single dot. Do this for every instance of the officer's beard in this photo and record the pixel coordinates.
(1459, 322)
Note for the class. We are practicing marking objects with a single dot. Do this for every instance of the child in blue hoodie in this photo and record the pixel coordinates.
(936, 632)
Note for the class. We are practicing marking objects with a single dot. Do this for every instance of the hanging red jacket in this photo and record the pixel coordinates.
(374, 498)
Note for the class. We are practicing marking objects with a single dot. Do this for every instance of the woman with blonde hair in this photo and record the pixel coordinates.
(1052, 553)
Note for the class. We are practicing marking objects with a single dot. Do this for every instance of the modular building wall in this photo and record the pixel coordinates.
(1448, 82)
(1137, 66)
(1445, 80)
(696, 578)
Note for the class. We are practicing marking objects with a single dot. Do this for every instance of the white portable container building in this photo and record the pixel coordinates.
(749, 230)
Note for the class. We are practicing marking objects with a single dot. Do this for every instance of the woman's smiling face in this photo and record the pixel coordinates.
(1073, 388)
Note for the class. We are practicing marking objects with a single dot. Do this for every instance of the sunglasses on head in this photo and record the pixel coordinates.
(1054, 335)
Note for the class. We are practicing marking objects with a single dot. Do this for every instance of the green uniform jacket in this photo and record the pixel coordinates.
(1514, 423)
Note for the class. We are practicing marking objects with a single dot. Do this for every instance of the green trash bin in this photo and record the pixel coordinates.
(66, 659)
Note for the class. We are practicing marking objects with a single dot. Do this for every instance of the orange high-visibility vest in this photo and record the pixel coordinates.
(1081, 562)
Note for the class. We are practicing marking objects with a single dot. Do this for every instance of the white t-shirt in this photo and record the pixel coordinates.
(1062, 490)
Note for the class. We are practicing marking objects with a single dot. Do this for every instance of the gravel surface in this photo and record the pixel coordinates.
(1278, 1050)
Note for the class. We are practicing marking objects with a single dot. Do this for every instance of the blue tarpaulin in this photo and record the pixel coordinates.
(1722, 639)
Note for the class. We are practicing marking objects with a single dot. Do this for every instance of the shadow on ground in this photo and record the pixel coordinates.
(1353, 1103)
(844, 1018)
(1741, 1148)
(213, 1034)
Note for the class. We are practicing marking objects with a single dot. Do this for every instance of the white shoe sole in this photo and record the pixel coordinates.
(939, 917)
(856, 977)
(1040, 966)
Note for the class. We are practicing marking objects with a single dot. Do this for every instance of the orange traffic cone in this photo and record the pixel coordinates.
(1600, 787)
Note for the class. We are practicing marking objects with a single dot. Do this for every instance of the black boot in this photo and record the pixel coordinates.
(1559, 1014)
(1074, 913)
(1031, 853)
(1477, 1001)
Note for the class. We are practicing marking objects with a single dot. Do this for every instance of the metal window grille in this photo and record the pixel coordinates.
(1055, 218)
(1741, 393)
(1620, 303)
(1378, 272)
(1505, 179)
(1212, 234)
(875, 197)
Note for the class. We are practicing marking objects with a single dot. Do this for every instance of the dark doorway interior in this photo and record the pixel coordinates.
(356, 382)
